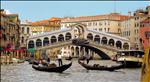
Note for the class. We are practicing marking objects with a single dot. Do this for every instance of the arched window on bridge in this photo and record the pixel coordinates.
(111, 42)
(53, 39)
(90, 36)
(60, 38)
(97, 38)
(68, 36)
(126, 46)
(31, 44)
(38, 42)
(119, 44)
(104, 40)
(45, 41)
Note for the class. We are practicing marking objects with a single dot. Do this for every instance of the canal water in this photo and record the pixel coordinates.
(25, 73)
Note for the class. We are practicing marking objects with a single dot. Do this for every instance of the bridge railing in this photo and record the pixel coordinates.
(54, 45)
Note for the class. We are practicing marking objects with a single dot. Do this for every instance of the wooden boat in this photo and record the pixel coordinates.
(52, 69)
(98, 67)
(130, 58)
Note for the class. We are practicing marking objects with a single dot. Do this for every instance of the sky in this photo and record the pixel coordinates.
(41, 10)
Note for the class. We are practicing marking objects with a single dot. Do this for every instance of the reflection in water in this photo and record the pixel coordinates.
(25, 73)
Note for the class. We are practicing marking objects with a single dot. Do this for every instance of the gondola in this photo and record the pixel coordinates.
(99, 67)
(52, 69)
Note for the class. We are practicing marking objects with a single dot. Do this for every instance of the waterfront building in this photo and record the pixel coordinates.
(145, 33)
(130, 28)
(109, 23)
(10, 34)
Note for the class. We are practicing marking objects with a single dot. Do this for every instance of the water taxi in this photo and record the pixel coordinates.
(130, 58)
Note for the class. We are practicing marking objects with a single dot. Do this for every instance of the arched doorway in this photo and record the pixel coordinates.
(53, 39)
(119, 44)
(45, 41)
(90, 36)
(60, 38)
(79, 30)
(104, 40)
(38, 43)
(126, 46)
(31, 44)
(68, 36)
(97, 38)
(111, 42)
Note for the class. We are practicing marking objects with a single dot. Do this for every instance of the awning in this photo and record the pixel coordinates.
(32, 50)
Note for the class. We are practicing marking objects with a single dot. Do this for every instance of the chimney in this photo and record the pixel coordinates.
(129, 13)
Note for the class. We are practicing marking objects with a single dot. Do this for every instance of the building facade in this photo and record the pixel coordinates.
(130, 28)
(33, 28)
(109, 23)
(10, 37)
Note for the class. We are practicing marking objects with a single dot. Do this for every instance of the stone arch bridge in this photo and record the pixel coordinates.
(107, 44)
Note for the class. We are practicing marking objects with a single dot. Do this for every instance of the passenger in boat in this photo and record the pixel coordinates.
(87, 58)
(44, 63)
(48, 60)
(59, 56)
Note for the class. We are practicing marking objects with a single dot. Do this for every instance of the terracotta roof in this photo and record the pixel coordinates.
(112, 16)
(46, 22)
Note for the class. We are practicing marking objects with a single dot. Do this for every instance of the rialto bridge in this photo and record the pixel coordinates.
(107, 43)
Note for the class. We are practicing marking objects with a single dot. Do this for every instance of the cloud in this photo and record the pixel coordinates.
(8, 12)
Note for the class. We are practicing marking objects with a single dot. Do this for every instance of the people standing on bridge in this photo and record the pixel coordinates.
(59, 56)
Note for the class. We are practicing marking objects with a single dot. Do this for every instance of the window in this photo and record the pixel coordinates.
(22, 29)
(105, 29)
(100, 29)
(28, 30)
(22, 40)
(100, 24)
(108, 29)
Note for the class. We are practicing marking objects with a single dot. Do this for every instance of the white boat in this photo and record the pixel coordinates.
(131, 58)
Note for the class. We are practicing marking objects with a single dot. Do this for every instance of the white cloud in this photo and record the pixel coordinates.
(8, 12)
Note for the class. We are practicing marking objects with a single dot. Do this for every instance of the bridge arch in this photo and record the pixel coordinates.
(97, 38)
(68, 36)
(104, 40)
(79, 30)
(60, 37)
(90, 36)
(126, 46)
(111, 42)
(118, 44)
(53, 39)
(31, 44)
(38, 42)
(45, 41)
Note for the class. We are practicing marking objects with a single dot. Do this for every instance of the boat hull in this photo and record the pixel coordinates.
(131, 64)
(54, 69)
(96, 67)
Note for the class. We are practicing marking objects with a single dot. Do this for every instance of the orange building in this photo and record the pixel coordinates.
(145, 33)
